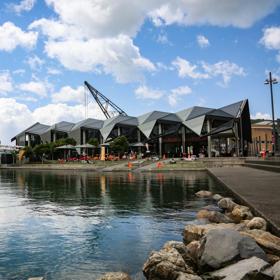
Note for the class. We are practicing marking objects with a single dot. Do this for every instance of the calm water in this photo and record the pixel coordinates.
(78, 225)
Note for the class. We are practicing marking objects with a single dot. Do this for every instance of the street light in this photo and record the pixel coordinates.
(272, 81)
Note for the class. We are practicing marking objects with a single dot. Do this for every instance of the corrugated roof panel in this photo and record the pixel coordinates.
(147, 128)
(232, 109)
(195, 124)
(219, 113)
(89, 123)
(198, 111)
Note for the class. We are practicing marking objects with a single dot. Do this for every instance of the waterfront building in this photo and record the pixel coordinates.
(197, 130)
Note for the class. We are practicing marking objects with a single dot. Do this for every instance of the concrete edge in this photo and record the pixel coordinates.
(272, 227)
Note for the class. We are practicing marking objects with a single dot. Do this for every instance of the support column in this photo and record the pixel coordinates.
(119, 131)
(184, 139)
(236, 138)
(160, 140)
(28, 140)
(139, 139)
(83, 137)
(209, 138)
(54, 136)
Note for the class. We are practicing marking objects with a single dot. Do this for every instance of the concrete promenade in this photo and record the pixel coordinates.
(259, 189)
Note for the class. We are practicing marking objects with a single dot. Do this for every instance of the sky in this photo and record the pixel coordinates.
(144, 55)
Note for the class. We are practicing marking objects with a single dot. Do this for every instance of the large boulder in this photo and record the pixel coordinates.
(217, 197)
(115, 276)
(257, 223)
(213, 216)
(276, 271)
(240, 213)
(204, 194)
(193, 251)
(187, 276)
(182, 250)
(221, 247)
(166, 264)
(196, 232)
(269, 242)
(212, 207)
(248, 269)
(227, 204)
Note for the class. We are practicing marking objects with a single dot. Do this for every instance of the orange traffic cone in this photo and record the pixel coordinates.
(129, 165)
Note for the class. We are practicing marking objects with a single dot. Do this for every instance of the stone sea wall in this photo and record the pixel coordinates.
(225, 242)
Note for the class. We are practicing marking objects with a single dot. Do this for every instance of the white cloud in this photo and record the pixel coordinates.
(202, 41)
(225, 69)
(53, 71)
(69, 95)
(12, 36)
(40, 88)
(176, 94)
(6, 84)
(35, 62)
(271, 38)
(259, 115)
(237, 13)
(117, 56)
(15, 116)
(186, 69)
(143, 92)
(23, 6)
(19, 71)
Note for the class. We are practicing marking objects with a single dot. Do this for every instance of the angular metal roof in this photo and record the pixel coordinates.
(37, 129)
(232, 109)
(89, 123)
(222, 128)
(193, 112)
(219, 113)
(62, 126)
(195, 124)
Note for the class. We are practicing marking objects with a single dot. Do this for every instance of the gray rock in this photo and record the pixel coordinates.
(204, 194)
(227, 204)
(257, 223)
(196, 232)
(165, 264)
(276, 271)
(241, 212)
(244, 269)
(213, 216)
(115, 276)
(217, 197)
(212, 208)
(269, 242)
(186, 276)
(221, 247)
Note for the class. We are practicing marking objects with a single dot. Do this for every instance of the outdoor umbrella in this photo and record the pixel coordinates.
(86, 146)
(139, 144)
(65, 148)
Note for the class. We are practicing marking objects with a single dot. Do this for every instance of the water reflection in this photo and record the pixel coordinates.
(77, 225)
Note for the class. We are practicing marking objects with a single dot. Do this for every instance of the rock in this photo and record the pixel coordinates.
(182, 250)
(227, 204)
(115, 276)
(196, 232)
(234, 247)
(272, 259)
(241, 212)
(213, 216)
(257, 223)
(165, 264)
(217, 197)
(193, 250)
(269, 242)
(248, 269)
(204, 194)
(276, 271)
(212, 208)
(186, 276)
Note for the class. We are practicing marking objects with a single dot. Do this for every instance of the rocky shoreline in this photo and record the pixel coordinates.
(225, 242)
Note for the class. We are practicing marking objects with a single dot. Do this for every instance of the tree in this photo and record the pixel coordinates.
(119, 145)
(93, 141)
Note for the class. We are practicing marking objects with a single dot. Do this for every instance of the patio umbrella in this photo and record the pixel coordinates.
(139, 144)
(66, 147)
(86, 146)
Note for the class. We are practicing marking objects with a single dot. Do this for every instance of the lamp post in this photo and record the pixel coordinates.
(271, 81)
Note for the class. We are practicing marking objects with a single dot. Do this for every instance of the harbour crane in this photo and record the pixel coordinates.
(104, 102)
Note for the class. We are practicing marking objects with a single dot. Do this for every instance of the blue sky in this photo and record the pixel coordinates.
(144, 55)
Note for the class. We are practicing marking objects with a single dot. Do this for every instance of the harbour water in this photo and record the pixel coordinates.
(79, 225)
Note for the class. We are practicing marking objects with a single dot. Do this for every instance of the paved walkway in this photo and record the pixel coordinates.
(257, 188)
